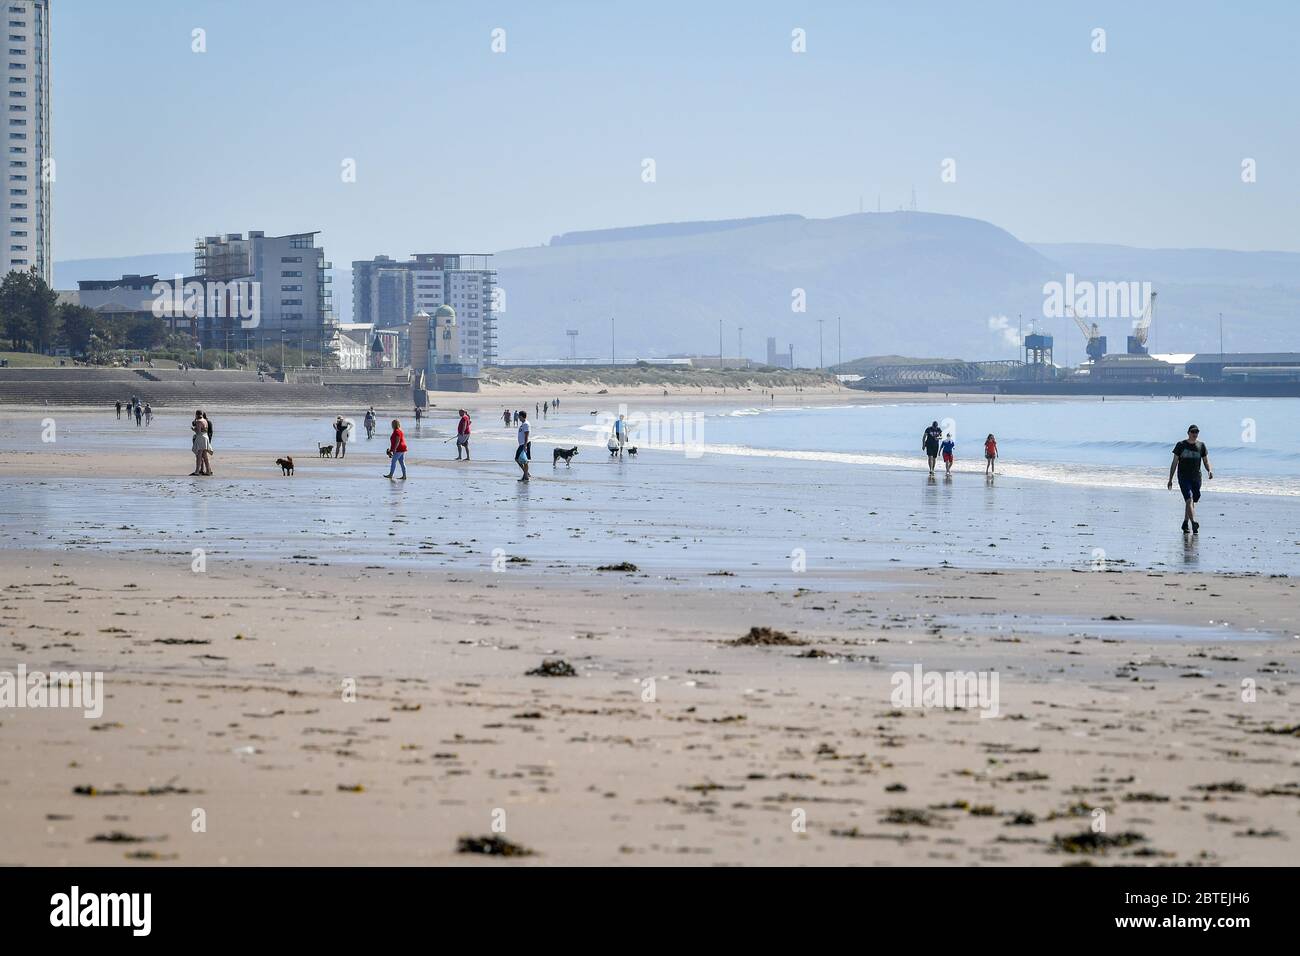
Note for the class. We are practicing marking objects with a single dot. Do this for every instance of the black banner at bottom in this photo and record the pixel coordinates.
(340, 905)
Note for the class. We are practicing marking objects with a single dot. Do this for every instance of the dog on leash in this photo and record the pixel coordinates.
(631, 451)
(565, 453)
(286, 465)
(325, 450)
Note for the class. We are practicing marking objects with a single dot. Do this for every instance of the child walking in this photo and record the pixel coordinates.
(990, 454)
(947, 448)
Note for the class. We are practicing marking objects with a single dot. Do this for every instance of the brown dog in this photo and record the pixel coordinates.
(325, 450)
(286, 465)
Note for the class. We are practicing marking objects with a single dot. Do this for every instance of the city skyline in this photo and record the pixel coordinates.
(551, 134)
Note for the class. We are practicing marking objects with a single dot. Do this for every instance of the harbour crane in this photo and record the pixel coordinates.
(1137, 342)
(1096, 347)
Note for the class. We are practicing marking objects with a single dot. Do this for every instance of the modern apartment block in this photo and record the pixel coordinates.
(296, 305)
(28, 169)
(388, 293)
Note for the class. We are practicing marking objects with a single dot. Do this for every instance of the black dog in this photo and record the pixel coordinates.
(286, 465)
(325, 450)
(565, 453)
(631, 451)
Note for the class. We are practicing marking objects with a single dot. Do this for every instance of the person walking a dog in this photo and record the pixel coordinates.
(340, 438)
(462, 434)
(524, 452)
(620, 434)
(396, 450)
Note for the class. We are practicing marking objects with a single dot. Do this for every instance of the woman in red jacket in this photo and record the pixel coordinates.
(396, 450)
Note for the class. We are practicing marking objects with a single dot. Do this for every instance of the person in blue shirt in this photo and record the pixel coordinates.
(947, 447)
(620, 434)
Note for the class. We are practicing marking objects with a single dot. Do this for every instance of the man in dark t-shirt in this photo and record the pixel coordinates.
(930, 439)
(1189, 456)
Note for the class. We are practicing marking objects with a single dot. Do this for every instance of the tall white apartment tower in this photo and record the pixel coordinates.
(28, 169)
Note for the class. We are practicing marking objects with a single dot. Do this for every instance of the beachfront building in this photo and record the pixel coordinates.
(437, 357)
(289, 272)
(205, 309)
(354, 345)
(388, 293)
(131, 297)
(28, 169)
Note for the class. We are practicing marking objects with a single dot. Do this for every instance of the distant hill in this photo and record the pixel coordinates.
(914, 283)
(906, 283)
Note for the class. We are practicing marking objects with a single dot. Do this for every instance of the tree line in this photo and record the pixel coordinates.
(34, 321)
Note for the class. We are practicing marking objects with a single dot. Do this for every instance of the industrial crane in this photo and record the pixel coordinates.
(1137, 342)
(1096, 347)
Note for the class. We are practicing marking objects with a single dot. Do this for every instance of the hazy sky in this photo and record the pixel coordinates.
(460, 148)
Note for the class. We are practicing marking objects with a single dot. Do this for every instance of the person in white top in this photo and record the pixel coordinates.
(524, 452)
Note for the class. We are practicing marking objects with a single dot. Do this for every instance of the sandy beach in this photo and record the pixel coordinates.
(225, 692)
(333, 668)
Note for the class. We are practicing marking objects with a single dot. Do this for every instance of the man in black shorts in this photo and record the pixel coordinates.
(1189, 455)
(930, 439)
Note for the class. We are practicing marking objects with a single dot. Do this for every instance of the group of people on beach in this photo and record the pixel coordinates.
(397, 448)
(936, 443)
(1190, 457)
(142, 413)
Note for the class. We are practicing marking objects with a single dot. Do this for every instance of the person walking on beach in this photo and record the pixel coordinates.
(990, 454)
(148, 414)
(462, 435)
(620, 434)
(340, 437)
(139, 416)
(505, 418)
(1189, 456)
(119, 411)
(370, 422)
(948, 447)
(930, 442)
(524, 452)
(396, 450)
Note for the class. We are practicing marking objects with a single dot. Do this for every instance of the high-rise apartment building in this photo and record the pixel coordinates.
(293, 289)
(388, 293)
(28, 169)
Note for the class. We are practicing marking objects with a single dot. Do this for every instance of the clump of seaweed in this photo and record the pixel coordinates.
(495, 845)
(1090, 842)
(553, 667)
(767, 637)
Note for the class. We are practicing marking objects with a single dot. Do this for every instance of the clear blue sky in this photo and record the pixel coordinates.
(459, 148)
